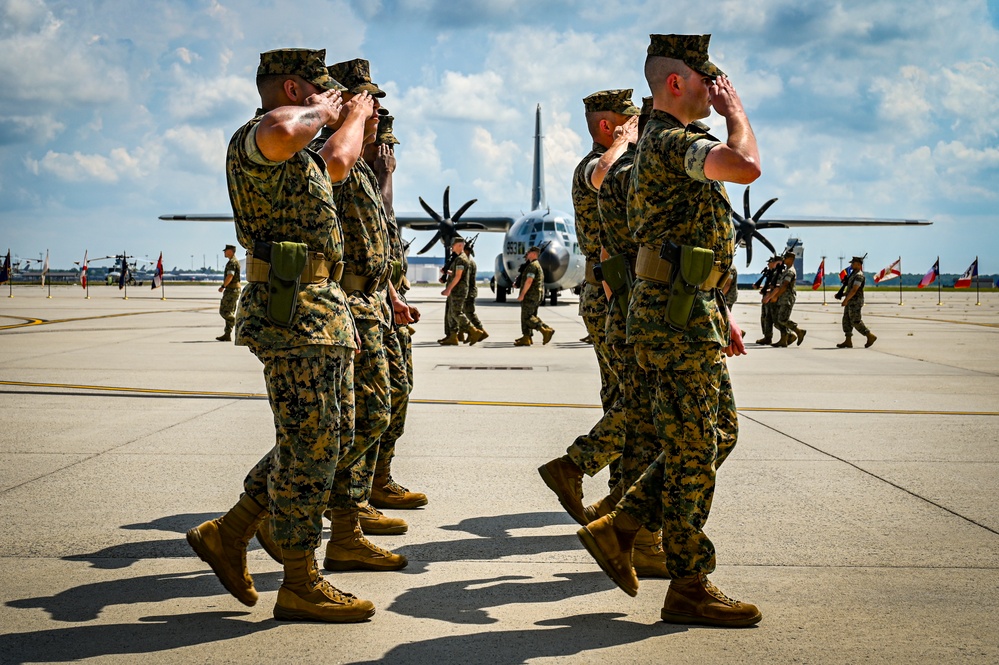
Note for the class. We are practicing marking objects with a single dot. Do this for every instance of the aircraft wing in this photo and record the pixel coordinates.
(771, 222)
(197, 218)
(481, 222)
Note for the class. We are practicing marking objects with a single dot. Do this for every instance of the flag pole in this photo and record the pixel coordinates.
(939, 285)
(900, 281)
(823, 281)
(978, 286)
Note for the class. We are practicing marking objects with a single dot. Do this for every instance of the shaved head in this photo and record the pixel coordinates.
(593, 119)
(658, 69)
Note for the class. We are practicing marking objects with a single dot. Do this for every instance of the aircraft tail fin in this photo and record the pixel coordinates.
(538, 183)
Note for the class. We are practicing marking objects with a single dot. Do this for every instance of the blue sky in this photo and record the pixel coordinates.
(117, 111)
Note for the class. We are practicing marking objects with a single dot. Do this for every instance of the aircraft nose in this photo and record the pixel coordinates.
(555, 261)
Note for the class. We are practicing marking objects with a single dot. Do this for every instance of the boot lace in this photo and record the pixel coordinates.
(716, 592)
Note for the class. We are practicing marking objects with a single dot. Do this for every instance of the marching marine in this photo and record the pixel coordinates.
(532, 292)
(852, 304)
(769, 278)
(785, 295)
(456, 292)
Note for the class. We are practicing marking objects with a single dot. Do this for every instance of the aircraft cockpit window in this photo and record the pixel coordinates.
(561, 227)
(549, 226)
(537, 227)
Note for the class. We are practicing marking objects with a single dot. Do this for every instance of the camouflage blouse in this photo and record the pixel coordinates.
(277, 202)
(537, 290)
(670, 198)
(615, 236)
(584, 204)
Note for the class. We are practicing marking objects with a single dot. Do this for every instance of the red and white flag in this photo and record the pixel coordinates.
(819, 275)
(158, 275)
(83, 270)
(891, 272)
(964, 281)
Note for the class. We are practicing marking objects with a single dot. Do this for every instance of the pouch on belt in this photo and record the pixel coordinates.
(617, 274)
(695, 266)
(287, 262)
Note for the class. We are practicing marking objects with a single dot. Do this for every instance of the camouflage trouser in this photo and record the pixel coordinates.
(473, 318)
(593, 308)
(603, 444)
(310, 391)
(851, 318)
(455, 319)
(399, 352)
(767, 318)
(782, 316)
(372, 413)
(227, 307)
(529, 320)
(689, 390)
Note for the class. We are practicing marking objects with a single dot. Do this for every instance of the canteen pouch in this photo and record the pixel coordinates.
(695, 266)
(287, 262)
(617, 273)
(397, 274)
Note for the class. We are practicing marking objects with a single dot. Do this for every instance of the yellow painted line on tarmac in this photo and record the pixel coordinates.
(45, 322)
(462, 402)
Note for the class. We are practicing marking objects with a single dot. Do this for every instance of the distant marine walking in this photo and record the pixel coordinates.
(230, 293)
(852, 304)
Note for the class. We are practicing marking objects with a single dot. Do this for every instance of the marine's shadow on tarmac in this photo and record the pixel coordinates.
(575, 634)
(154, 634)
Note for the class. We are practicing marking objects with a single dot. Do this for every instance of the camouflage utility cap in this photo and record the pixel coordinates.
(310, 64)
(646, 105)
(385, 134)
(691, 49)
(356, 75)
(788, 253)
(228, 247)
(618, 101)
(857, 259)
(455, 240)
(534, 248)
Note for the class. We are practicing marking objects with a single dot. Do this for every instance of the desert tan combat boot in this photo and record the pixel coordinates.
(801, 335)
(546, 335)
(523, 341)
(871, 338)
(765, 340)
(611, 547)
(375, 523)
(696, 600)
(475, 335)
(450, 340)
(782, 342)
(386, 493)
(565, 479)
(461, 337)
(306, 596)
(604, 506)
(648, 556)
(221, 543)
(266, 539)
(348, 549)
(846, 343)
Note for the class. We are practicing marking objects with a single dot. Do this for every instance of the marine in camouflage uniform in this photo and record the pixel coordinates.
(367, 269)
(853, 303)
(385, 491)
(672, 198)
(280, 192)
(530, 299)
(769, 281)
(611, 120)
(230, 293)
(473, 290)
(785, 295)
(456, 292)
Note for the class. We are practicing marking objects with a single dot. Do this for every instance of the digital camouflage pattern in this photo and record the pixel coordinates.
(529, 320)
(732, 295)
(692, 50)
(399, 354)
(310, 395)
(457, 321)
(852, 318)
(227, 308)
(615, 101)
(372, 414)
(785, 303)
(687, 384)
(685, 374)
(615, 235)
(355, 76)
(473, 293)
(286, 201)
(385, 134)
(670, 198)
(366, 245)
(310, 64)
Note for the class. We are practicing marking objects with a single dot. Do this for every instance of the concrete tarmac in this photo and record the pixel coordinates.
(859, 510)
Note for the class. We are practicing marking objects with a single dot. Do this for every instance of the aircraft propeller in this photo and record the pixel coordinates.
(448, 225)
(748, 227)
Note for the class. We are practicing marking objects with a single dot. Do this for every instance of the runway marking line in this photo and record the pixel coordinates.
(44, 322)
(461, 402)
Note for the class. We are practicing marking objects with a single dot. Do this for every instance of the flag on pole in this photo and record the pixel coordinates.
(891, 272)
(45, 267)
(844, 273)
(123, 277)
(964, 281)
(930, 276)
(83, 270)
(5, 269)
(158, 274)
(819, 275)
